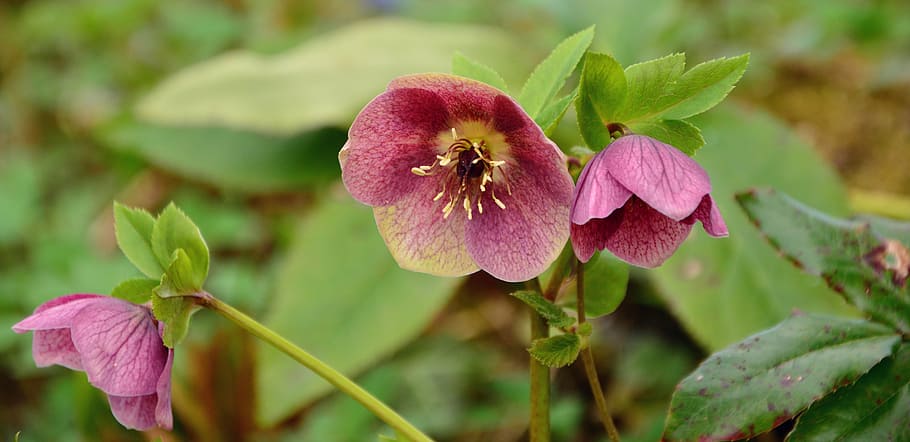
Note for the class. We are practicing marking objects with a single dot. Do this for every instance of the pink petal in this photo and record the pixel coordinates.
(55, 346)
(163, 415)
(710, 218)
(121, 350)
(659, 174)
(56, 313)
(645, 237)
(418, 236)
(52, 343)
(134, 412)
(465, 99)
(597, 194)
(592, 236)
(398, 130)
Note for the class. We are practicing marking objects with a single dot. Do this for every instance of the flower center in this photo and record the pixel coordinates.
(467, 168)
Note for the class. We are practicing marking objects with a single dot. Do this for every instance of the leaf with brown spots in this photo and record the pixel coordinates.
(764, 380)
(857, 258)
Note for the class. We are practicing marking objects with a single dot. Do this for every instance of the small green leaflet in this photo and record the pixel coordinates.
(133, 229)
(174, 230)
(466, 67)
(554, 314)
(556, 351)
(550, 75)
(137, 291)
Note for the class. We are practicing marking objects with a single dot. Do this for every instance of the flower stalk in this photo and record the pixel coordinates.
(341, 382)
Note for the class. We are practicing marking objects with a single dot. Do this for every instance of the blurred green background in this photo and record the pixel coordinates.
(236, 109)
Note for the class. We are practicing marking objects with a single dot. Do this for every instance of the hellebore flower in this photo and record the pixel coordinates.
(117, 344)
(639, 198)
(460, 178)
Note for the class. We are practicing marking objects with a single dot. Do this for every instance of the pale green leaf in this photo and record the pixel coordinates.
(174, 230)
(677, 133)
(647, 85)
(137, 291)
(703, 87)
(466, 67)
(133, 229)
(556, 351)
(551, 115)
(180, 278)
(554, 315)
(550, 75)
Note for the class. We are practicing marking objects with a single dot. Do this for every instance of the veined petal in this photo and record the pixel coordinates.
(122, 353)
(592, 236)
(55, 346)
(645, 237)
(597, 194)
(465, 99)
(134, 412)
(56, 313)
(398, 130)
(163, 416)
(418, 236)
(659, 174)
(710, 218)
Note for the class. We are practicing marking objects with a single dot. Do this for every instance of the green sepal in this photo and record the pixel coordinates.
(137, 291)
(175, 313)
(556, 351)
(174, 230)
(133, 230)
(554, 315)
(466, 67)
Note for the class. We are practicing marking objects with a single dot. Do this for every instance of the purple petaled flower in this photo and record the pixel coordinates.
(459, 178)
(118, 345)
(639, 198)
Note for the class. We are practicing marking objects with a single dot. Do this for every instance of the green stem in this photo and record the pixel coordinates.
(587, 358)
(381, 410)
(540, 377)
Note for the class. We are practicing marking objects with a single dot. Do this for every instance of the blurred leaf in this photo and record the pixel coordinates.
(179, 246)
(137, 291)
(647, 83)
(554, 315)
(874, 408)
(464, 66)
(839, 251)
(550, 75)
(234, 159)
(601, 91)
(556, 351)
(757, 384)
(606, 278)
(677, 133)
(723, 290)
(347, 315)
(20, 195)
(323, 82)
(133, 229)
(702, 87)
(889, 229)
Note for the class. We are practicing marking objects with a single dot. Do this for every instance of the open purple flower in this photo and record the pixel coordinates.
(639, 198)
(118, 345)
(459, 177)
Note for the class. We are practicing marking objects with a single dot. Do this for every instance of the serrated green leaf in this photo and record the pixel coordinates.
(550, 75)
(556, 351)
(554, 315)
(466, 67)
(137, 291)
(757, 384)
(180, 277)
(175, 313)
(677, 133)
(839, 251)
(875, 407)
(647, 84)
(133, 229)
(604, 83)
(703, 87)
(174, 230)
(551, 114)
(606, 278)
(592, 129)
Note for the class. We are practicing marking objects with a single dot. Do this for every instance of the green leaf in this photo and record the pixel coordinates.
(888, 228)
(703, 87)
(323, 82)
(464, 66)
(677, 133)
(647, 85)
(554, 315)
(551, 115)
(137, 291)
(550, 75)
(604, 83)
(349, 316)
(180, 278)
(556, 351)
(606, 278)
(757, 384)
(133, 229)
(173, 231)
(724, 289)
(592, 129)
(874, 408)
(175, 313)
(841, 252)
(233, 159)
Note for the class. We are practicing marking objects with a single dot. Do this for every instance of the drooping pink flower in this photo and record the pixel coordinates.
(639, 198)
(117, 344)
(460, 178)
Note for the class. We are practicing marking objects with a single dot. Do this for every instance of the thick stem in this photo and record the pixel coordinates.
(381, 410)
(587, 358)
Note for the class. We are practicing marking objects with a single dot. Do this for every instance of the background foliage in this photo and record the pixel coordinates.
(236, 109)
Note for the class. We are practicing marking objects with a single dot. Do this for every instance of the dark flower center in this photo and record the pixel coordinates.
(467, 181)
